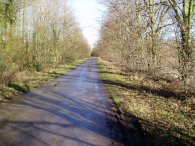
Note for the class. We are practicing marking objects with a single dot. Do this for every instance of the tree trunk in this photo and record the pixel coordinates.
(4, 32)
(185, 55)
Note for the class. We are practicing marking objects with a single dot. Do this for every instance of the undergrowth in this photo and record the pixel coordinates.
(166, 119)
(24, 81)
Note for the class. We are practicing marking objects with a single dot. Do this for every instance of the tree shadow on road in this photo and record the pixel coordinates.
(74, 110)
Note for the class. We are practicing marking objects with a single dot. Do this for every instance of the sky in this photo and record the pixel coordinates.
(88, 13)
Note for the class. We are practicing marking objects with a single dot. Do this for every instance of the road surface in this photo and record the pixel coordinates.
(72, 110)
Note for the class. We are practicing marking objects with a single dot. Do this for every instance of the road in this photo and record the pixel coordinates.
(72, 110)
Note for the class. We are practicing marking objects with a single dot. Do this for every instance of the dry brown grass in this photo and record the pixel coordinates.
(164, 111)
(25, 80)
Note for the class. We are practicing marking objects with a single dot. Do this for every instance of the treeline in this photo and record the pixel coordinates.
(150, 35)
(37, 34)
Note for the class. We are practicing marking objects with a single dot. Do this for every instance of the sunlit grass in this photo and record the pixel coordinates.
(26, 80)
(165, 121)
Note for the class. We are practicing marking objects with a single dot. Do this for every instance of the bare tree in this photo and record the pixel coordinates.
(183, 12)
(132, 35)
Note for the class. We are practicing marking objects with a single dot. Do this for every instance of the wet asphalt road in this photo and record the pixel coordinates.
(72, 110)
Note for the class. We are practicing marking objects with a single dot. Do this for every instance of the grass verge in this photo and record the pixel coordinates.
(165, 120)
(26, 80)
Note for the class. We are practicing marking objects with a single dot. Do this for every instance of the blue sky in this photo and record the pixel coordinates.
(88, 13)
